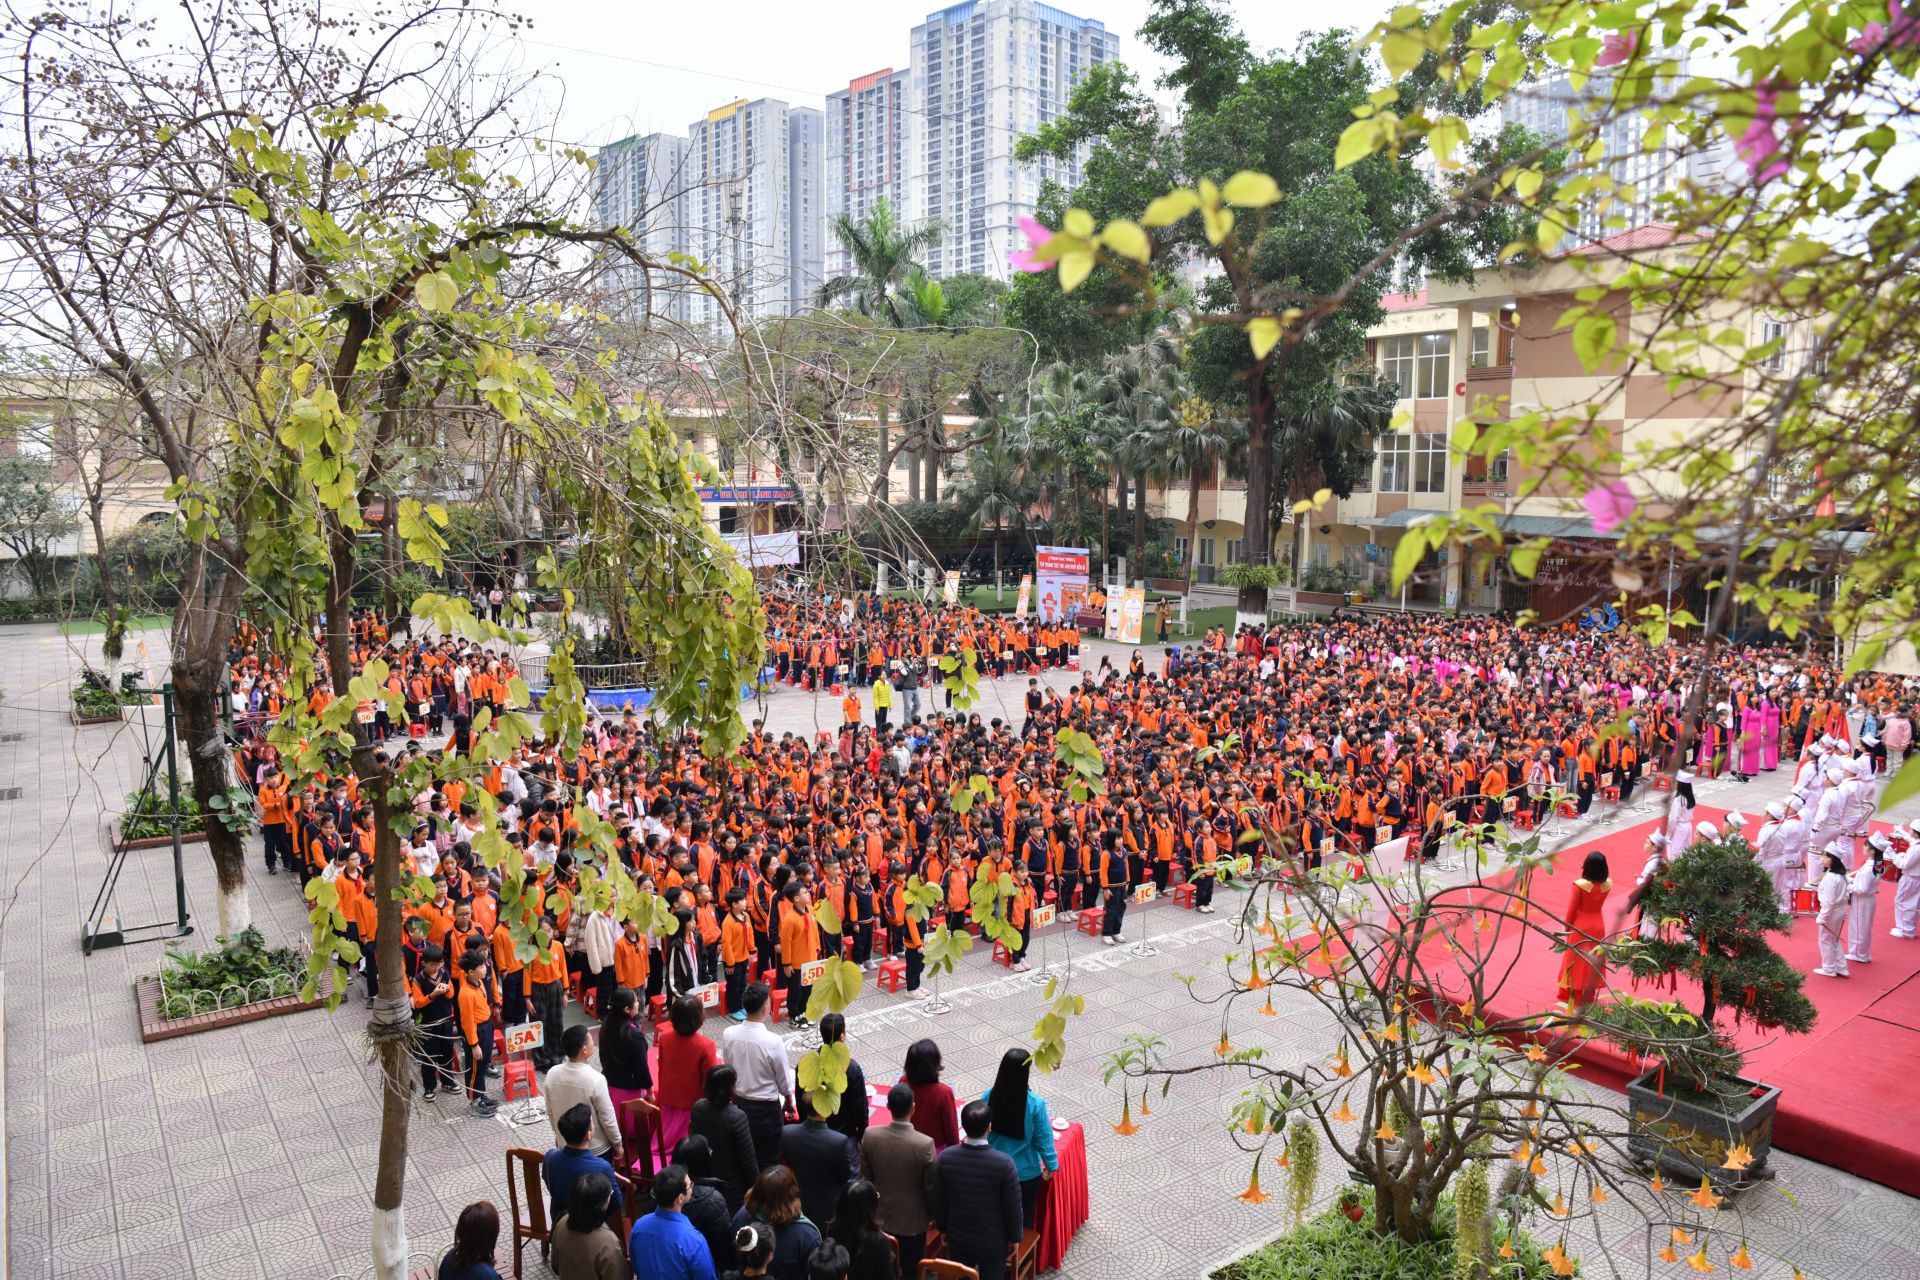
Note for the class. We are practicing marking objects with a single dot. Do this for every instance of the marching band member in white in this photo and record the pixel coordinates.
(1864, 884)
(1833, 916)
(1649, 927)
(1830, 815)
(1906, 898)
(1680, 815)
(1859, 789)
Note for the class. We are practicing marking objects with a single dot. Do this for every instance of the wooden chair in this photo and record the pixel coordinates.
(632, 1210)
(534, 1226)
(941, 1269)
(1023, 1259)
(645, 1137)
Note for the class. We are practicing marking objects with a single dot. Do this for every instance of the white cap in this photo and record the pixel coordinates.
(1736, 820)
(1795, 804)
(1685, 775)
(1658, 840)
(1842, 846)
(1879, 842)
(1868, 740)
(1706, 831)
(1836, 773)
(1826, 740)
(1777, 811)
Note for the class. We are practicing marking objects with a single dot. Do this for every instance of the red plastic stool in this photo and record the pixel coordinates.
(500, 1045)
(776, 1004)
(839, 690)
(1001, 955)
(846, 947)
(589, 1001)
(1663, 782)
(892, 975)
(519, 1082)
(1089, 922)
(1609, 793)
(1523, 819)
(417, 730)
(1568, 809)
(1183, 895)
(657, 1009)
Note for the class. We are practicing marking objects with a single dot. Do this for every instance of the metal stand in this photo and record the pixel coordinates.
(1145, 947)
(100, 930)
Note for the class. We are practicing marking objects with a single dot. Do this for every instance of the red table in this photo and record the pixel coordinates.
(1064, 1201)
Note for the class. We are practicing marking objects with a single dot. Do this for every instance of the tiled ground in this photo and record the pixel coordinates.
(249, 1152)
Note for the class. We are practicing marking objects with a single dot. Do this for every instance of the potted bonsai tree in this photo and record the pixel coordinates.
(1692, 1113)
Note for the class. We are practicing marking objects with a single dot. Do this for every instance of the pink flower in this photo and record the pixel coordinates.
(1759, 147)
(1870, 38)
(1901, 31)
(1609, 506)
(1037, 234)
(1617, 48)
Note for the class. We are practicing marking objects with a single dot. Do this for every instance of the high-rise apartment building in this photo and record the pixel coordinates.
(1543, 107)
(866, 140)
(638, 184)
(755, 210)
(742, 193)
(984, 73)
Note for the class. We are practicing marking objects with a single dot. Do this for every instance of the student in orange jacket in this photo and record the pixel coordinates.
(799, 947)
(736, 949)
(548, 975)
(474, 1000)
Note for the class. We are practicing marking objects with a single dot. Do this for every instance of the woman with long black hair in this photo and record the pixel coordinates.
(1022, 1128)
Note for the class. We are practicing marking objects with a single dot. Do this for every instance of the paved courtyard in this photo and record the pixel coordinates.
(248, 1153)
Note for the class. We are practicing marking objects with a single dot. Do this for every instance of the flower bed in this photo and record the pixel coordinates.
(1332, 1247)
(243, 980)
(147, 822)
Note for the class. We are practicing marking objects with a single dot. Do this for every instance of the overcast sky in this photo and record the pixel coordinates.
(652, 66)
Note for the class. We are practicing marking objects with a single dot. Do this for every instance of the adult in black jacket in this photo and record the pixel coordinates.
(976, 1197)
(707, 1210)
(822, 1161)
(855, 1227)
(729, 1136)
(854, 1113)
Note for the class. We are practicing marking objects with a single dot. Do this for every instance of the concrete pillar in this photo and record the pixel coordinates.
(880, 579)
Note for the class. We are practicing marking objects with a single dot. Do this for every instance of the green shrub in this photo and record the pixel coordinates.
(241, 970)
(147, 815)
(1332, 1247)
(92, 701)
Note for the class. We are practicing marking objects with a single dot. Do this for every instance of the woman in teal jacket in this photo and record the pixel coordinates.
(1022, 1128)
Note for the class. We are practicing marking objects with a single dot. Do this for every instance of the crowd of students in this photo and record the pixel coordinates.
(1340, 735)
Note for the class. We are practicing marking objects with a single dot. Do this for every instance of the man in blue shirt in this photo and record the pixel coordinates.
(564, 1165)
(664, 1245)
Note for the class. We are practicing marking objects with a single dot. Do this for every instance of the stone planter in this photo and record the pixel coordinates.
(77, 718)
(1686, 1139)
(157, 842)
(1169, 586)
(146, 999)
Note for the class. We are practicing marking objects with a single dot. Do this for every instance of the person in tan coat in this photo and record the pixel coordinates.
(585, 1246)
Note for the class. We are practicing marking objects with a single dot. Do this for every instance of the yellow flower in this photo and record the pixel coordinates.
(1668, 1255)
(1698, 1261)
(1559, 1205)
(1600, 1195)
(1344, 1115)
(1738, 1158)
(1506, 1248)
(1704, 1196)
(1740, 1258)
(1385, 1132)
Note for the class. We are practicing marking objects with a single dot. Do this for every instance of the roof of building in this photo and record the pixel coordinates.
(1405, 301)
(1649, 235)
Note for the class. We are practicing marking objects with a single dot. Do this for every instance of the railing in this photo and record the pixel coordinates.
(1489, 372)
(1484, 489)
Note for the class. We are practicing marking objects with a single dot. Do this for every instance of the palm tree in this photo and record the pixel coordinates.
(998, 491)
(1062, 439)
(886, 255)
(1145, 386)
(1328, 445)
(885, 258)
(1197, 440)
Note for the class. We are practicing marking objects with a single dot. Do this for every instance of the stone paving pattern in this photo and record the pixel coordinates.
(248, 1153)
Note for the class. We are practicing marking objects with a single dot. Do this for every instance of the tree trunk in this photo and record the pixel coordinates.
(1193, 523)
(391, 1024)
(932, 439)
(197, 699)
(1251, 608)
(1139, 511)
(881, 485)
(912, 446)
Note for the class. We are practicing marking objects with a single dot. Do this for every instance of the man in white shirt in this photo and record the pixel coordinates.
(764, 1086)
(575, 1081)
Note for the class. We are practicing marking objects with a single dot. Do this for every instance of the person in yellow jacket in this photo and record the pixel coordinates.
(882, 699)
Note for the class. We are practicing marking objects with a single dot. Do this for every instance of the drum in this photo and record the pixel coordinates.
(1805, 901)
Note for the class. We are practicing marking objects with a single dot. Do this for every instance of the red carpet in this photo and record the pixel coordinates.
(1839, 1104)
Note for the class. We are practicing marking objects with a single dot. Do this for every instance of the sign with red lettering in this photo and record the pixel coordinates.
(526, 1037)
(811, 971)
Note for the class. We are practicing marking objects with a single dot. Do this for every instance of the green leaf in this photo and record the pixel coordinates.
(1594, 335)
(829, 918)
(1075, 266)
(1406, 556)
(1359, 140)
(1127, 239)
(1526, 558)
(1250, 190)
(1164, 211)
(1904, 784)
(436, 291)
(1263, 332)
